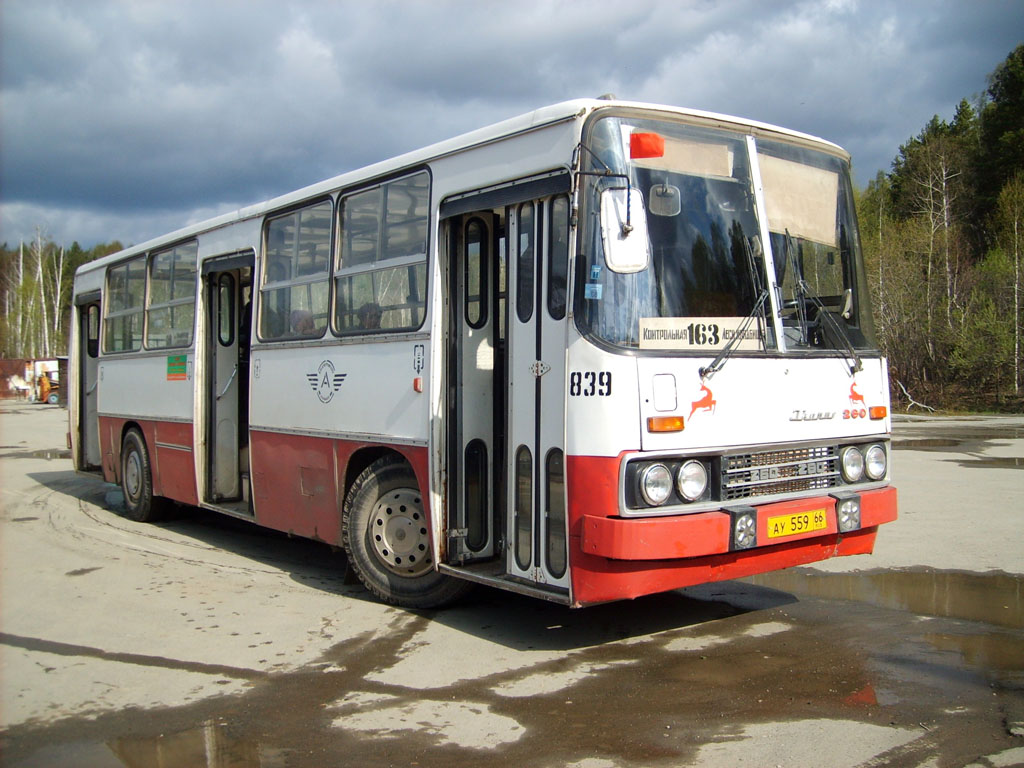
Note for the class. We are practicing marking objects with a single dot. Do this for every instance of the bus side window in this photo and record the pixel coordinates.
(294, 288)
(381, 271)
(126, 294)
(171, 310)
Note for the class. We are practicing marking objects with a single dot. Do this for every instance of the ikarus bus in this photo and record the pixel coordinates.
(597, 351)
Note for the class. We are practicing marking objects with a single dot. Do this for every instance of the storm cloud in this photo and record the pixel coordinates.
(122, 120)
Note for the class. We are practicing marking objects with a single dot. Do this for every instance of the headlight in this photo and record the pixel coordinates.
(851, 461)
(874, 462)
(692, 480)
(656, 484)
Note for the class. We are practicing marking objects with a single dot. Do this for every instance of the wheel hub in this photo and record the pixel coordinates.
(398, 533)
(133, 475)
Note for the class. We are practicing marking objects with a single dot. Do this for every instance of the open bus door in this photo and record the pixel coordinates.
(506, 390)
(227, 281)
(87, 349)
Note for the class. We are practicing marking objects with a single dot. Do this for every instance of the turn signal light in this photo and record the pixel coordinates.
(665, 424)
(646, 145)
(877, 412)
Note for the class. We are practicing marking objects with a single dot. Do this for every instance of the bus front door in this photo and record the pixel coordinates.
(538, 237)
(506, 389)
(228, 282)
(475, 386)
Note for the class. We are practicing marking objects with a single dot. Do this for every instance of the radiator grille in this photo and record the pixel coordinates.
(787, 471)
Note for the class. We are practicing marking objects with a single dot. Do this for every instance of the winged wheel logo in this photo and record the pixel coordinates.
(325, 381)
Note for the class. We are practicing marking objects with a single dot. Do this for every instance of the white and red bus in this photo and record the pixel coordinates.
(597, 351)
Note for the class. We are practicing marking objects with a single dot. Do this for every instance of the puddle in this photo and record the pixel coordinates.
(993, 598)
(994, 652)
(209, 745)
(925, 443)
(51, 453)
(995, 462)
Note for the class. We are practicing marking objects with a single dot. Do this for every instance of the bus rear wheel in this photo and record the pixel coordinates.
(137, 480)
(386, 536)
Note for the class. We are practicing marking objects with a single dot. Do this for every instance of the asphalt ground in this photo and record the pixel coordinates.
(206, 641)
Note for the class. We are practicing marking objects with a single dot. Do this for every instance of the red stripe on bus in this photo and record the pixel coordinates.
(173, 469)
(299, 481)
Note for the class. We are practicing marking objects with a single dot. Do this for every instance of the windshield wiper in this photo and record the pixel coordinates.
(719, 362)
(762, 295)
(801, 288)
(803, 294)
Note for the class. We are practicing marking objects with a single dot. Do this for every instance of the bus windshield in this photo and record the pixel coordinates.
(706, 283)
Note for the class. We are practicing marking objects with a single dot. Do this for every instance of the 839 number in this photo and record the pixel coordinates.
(590, 384)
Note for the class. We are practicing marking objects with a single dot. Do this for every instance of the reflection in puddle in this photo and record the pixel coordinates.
(926, 442)
(995, 462)
(52, 453)
(49, 454)
(993, 598)
(210, 745)
(996, 651)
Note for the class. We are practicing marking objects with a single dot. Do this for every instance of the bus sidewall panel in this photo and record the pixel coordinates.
(300, 481)
(170, 449)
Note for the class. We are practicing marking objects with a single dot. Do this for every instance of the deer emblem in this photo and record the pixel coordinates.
(706, 403)
(855, 396)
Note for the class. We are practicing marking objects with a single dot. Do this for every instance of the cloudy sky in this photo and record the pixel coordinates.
(127, 119)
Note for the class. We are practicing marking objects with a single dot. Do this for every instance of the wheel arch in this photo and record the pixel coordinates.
(364, 457)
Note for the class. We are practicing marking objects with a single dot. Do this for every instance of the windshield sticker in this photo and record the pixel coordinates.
(595, 271)
(695, 333)
(593, 291)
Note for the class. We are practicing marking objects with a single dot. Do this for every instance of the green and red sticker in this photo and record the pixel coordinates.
(177, 367)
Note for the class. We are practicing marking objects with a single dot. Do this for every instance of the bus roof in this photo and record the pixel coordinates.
(529, 121)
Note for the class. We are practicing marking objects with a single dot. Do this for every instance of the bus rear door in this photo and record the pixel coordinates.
(88, 351)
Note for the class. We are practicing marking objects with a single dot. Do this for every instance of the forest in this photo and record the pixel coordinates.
(942, 233)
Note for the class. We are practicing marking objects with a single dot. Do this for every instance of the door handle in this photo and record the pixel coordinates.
(228, 385)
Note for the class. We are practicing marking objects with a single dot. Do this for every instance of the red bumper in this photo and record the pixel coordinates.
(615, 558)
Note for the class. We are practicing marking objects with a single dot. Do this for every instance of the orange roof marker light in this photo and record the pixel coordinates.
(646, 145)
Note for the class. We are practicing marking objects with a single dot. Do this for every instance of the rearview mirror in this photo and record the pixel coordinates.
(627, 247)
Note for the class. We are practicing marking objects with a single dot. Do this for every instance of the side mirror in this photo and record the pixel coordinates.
(627, 247)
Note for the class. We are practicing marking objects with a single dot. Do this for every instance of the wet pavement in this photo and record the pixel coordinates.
(203, 641)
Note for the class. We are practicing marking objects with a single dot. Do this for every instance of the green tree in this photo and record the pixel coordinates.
(1010, 218)
(982, 357)
(1001, 151)
(35, 294)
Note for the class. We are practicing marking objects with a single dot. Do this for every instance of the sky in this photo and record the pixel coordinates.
(124, 120)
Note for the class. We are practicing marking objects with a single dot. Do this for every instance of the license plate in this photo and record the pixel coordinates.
(798, 522)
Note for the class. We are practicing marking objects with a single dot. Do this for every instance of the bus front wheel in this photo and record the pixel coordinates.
(385, 533)
(137, 479)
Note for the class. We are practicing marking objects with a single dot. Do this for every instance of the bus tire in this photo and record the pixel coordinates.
(137, 480)
(386, 537)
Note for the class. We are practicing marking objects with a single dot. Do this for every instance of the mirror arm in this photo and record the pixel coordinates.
(608, 174)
